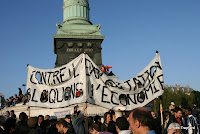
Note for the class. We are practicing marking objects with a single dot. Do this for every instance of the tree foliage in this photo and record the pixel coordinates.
(179, 98)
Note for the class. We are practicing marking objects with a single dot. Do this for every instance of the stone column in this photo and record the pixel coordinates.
(76, 11)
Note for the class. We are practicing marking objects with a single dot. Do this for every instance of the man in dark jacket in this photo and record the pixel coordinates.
(176, 118)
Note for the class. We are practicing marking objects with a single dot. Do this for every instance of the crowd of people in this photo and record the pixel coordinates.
(12, 101)
(137, 121)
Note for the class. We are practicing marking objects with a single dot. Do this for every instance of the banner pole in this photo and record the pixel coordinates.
(161, 113)
(29, 112)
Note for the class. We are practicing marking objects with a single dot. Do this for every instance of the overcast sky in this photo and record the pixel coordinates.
(133, 29)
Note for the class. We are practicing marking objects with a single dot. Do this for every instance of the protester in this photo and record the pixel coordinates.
(172, 106)
(63, 127)
(79, 121)
(176, 118)
(97, 120)
(122, 126)
(12, 114)
(166, 117)
(51, 129)
(2, 123)
(41, 126)
(33, 124)
(191, 122)
(21, 126)
(141, 121)
(7, 115)
(10, 126)
(107, 119)
(174, 128)
(69, 121)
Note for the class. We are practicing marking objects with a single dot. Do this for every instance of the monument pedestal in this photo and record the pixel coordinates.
(68, 47)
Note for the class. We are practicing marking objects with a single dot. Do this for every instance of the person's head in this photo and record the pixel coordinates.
(68, 118)
(46, 117)
(121, 124)
(62, 126)
(188, 111)
(7, 113)
(97, 119)
(166, 114)
(172, 112)
(32, 122)
(75, 108)
(175, 128)
(40, 119)
(10, 125)
(90, 120)
(23, 116)
(140, 120)
(172, 103)
(107, 117)
(113, 116)
(153, 114)
(92, 127)
(177, 112)
(12, 112)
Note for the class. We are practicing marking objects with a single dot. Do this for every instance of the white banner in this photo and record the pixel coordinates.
(81, 81)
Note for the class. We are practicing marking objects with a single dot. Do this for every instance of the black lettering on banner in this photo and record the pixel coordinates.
(161, 82)
(98, 87)
(148, 78)
(123, 99)
(142, 77)
(74, 70)
(150, 87)
(137, 82)
(102, 100)
(133, 100)
(87, 72)
(34, 96)
(140, 97)
(52, 100)
(156, 90)
(128, 84)
(32, 78)
(61, 75)
(49, 77)
(43, 77)
(73, 90)
(67, 93)
(112, 97)
(145, 93)
(55, 74)
(158, 65)
(58, 96)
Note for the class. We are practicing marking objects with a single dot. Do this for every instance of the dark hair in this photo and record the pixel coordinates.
(122, 123)
(41, 116)
(23, 116)
(176, 109)
(95, 126)
(105, 116)
(96, 118)
(143, 116)
(189, 109)
(12, 111)
(10, 123)
(68, 117)
(63, 122)
(32, 122)
(111, 127)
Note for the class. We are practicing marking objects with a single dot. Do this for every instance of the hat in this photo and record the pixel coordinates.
(172, 103)
(53, 118)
